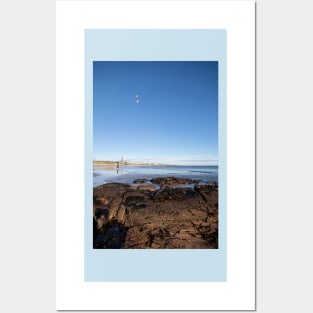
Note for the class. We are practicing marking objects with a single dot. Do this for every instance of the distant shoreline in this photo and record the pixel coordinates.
(113, 164)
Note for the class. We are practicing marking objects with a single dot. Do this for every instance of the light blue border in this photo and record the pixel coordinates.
(149, 265)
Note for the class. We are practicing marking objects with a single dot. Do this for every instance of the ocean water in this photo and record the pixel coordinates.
(127, 174)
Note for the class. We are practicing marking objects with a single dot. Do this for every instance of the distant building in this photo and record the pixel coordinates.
(123, 162)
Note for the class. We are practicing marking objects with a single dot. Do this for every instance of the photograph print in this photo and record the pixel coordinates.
(155, 155)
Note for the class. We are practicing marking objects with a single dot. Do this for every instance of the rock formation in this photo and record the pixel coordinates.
(166, 212)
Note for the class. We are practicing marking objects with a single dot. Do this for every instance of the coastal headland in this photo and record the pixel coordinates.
(161, 213)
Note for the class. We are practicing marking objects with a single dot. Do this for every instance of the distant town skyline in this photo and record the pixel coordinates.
(156, 112)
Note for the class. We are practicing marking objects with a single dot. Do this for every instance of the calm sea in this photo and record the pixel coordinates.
(127, 174)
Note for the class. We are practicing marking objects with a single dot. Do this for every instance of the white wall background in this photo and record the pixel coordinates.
(284, 156)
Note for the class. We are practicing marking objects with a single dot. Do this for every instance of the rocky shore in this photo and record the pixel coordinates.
(163, 213)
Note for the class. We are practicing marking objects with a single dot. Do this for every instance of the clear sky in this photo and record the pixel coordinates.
(174, 119)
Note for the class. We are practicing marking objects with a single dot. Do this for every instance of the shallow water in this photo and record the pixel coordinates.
(127, 174)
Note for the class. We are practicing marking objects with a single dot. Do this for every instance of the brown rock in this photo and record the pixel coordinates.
(172, 181)
(140, 181)
(149, 187)
(174, 218)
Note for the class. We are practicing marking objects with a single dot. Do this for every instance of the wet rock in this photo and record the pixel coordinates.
(209, 194)
(172, 181)
(207, 188)
(140, 181)
(149, 187)
(121, 213)
(169, 218)
(178, 194)
(114, 206)
(132, 201)
(112, 237)
(100, 222)
(136, 238)
(100, 211)
(100, 200)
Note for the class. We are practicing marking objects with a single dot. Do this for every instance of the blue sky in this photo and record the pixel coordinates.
(175, 120)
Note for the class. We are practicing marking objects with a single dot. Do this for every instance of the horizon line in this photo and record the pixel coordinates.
(161, 162)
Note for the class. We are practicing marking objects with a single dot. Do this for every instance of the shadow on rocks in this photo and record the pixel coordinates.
(112, 236)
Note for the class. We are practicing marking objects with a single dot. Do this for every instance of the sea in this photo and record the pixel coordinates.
(127, 174)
